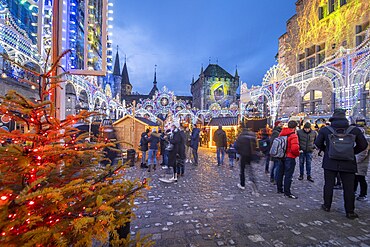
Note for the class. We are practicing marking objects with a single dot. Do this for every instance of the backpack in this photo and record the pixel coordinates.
(279, 146)
(341, 145)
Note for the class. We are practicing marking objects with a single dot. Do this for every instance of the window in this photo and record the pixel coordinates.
(331, 6)
(317, 95)
(320, 58)
(307, 96)
(301, 67)
(321, 13)
(361, 32)
(311, 63)
(359, 39)
(343, 2)
(312, 101)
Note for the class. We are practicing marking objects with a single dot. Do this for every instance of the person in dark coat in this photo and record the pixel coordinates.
(182, 153)
(345, 168)
(221, 143)
(306, 137)
(162, 145)
(231, 152)
(153, 141)
(245, 145)
(194, 143)
(175, 140)
(144, 147)
(362, 160)
(264, 147)
(275, 133)
(166, 142)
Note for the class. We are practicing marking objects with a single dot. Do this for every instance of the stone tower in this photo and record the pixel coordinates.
(126, 87)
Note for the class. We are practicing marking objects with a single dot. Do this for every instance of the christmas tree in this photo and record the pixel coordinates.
(53, 189)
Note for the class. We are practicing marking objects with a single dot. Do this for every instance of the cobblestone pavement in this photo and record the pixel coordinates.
(206, 208)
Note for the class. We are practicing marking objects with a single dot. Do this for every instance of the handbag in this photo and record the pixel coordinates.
(169, 147)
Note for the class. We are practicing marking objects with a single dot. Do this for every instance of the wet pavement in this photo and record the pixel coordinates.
(206, 208)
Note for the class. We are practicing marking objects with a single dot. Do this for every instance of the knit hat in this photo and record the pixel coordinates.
(277, 123)
(307, 125)
(338, 114)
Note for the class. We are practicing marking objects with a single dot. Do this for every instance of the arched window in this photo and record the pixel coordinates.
(312, 102)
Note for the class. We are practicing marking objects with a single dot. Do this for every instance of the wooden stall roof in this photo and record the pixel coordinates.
(224, 121)
(142, 120)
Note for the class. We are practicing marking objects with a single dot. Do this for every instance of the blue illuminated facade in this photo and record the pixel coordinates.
(24, 16)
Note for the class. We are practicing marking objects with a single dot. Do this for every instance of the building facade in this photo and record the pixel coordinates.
(323, 63)
(215, 89)
(83, 27)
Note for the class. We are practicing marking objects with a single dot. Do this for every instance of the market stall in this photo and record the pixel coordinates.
(129, 129)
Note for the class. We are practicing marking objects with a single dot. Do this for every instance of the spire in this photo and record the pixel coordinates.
(201, 70)
(192, 80)
(125, 78)
(236, 72)
(155, 75)
(116, 69)
(154, 89)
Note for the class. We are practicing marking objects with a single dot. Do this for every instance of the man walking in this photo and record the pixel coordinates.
(194, 144)
(287, 165)
(306, 137)
(221, 144)
(340, 143)
(245, 145)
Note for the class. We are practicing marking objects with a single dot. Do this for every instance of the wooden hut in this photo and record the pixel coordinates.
(129, 129)
(229, 125)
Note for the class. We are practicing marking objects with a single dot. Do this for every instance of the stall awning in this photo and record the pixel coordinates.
(224, 121)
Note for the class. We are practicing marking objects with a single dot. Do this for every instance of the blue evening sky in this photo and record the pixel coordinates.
(180, 35)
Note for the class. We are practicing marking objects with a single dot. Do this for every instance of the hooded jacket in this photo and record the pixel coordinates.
(323, 143)
(292, 150)
(144, 142)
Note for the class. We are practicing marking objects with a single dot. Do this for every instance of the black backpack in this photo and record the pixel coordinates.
(341, 145)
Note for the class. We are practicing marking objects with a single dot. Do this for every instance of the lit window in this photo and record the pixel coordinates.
(367, 86)
(307, 96)
(318, 95)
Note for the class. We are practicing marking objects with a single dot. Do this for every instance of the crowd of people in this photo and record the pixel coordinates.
(177, 146)
(345, 155)
(345, 160)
